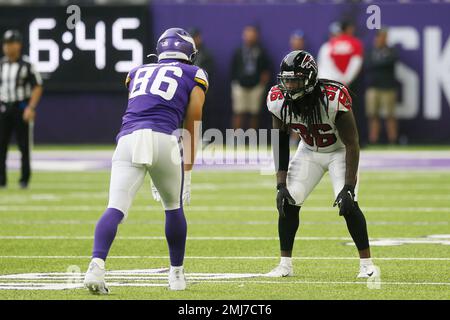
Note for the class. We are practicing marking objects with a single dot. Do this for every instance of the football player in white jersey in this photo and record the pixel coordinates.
(320, 111)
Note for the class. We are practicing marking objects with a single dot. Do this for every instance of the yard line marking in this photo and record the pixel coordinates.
(367, 176)
(193, 278)
(328, 196)
(263, 185)
(191, 209)
(215, 222)
(14, 200)
(332, 282)
(155, 277)
(164, 238)
(432, 239)
(230, 258)
(65, 286)
(224, 238)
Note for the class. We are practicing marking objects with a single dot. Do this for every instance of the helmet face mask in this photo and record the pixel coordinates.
(298, 75)
(193, 56)
(292, 86)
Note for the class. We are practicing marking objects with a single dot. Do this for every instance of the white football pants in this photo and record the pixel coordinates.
(141, 151)
(307, 168)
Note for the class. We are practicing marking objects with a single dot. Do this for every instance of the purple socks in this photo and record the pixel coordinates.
(105, 232)
(176, 230)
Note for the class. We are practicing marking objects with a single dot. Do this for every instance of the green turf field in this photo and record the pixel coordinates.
(233, 233)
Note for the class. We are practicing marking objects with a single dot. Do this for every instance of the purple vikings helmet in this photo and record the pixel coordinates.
(176, 43)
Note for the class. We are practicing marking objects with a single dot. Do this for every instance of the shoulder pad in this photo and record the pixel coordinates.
(133, 71)
(338, 96)
(201, 78)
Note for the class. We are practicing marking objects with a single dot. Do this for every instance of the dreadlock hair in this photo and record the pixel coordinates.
(308, 108)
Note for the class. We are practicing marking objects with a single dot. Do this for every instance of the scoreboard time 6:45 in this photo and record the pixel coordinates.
(87, 48)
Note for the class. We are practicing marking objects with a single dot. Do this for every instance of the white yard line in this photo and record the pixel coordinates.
(400, 185)
(191, 278)
(210, 209)
(222, 238)
(326, 196)
(164, 238)
(53, 286)
(229, 258)
(330, 282)
(366, 176)
(216, 222)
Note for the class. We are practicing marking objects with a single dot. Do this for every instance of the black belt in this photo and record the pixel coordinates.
(14, 104)
(9, 107)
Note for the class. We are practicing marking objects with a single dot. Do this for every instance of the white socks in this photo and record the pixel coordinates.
(365, 262)
(287, 261)
(172, 268)
(99, 262)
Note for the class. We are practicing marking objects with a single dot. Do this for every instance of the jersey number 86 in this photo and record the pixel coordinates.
(147, 74)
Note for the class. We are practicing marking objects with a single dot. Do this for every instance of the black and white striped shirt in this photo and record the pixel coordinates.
(17, 79)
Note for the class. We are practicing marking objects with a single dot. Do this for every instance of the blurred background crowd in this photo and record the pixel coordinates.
(241, 43)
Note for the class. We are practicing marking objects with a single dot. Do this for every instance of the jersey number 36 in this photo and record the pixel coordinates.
(162, 84)
(316, 136)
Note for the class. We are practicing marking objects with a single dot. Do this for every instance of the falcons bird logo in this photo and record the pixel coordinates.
(308, 62)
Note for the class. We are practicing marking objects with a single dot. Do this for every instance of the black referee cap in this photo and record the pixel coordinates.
(12, 36)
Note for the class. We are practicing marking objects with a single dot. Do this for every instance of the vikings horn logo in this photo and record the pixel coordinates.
(308, 62)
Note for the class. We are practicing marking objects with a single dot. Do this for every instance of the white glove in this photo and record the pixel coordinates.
(187, 188)
(155, 192)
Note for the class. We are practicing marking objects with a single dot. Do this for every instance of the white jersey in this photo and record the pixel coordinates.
(323, 137)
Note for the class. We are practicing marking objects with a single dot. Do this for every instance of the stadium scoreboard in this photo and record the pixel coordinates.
(95, 53)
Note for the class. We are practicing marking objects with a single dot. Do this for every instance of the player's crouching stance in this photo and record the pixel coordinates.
(320, 112)
(161, 96)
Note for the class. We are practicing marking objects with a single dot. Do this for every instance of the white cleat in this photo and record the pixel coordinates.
(94, 279)
(177, 279)
(282, 270)
(368, 271)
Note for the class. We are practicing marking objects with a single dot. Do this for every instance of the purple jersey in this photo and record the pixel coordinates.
(159, 95)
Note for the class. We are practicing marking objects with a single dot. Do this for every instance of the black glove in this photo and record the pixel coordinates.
(283, 197)
(345, 200)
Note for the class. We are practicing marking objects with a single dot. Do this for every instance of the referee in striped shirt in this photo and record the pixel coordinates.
(20, 91)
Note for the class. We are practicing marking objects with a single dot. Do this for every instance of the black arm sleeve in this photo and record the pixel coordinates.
(281, 151)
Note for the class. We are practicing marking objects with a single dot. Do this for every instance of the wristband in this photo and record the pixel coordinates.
(281, 185)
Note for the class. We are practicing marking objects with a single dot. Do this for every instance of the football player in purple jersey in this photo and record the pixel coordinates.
(163, 97)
